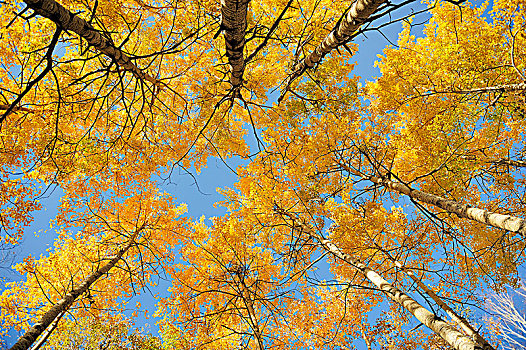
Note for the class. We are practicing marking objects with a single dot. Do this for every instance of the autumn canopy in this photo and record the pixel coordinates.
(364, 215)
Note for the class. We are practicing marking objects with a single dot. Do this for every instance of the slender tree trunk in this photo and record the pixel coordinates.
(245, 293)
(447, 332)
(510, 162)
(68, 21)
(63, 304)
(365, 337)
(459, 320)
(498, 88)
(356, 16)
(234, 25)
(502, 221)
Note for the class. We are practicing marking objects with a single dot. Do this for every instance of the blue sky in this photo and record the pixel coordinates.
(199, 190)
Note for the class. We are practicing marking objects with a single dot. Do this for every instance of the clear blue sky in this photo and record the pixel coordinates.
(200, 197)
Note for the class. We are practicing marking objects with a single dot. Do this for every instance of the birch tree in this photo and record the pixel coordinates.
(402, 197)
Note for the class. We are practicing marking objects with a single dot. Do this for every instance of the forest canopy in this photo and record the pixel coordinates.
(364, 215)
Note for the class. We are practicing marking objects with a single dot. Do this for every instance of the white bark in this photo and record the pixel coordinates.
(68, 21)
(459, 320)
(502, 221)
(447, 332)
(63, 304)
(351, 22)
(510, 162)
(487, 89)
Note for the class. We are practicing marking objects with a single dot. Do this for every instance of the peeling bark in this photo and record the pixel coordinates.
(234, 25)
(63, 304)
(68, 21)
(447, 332)
(351, 22)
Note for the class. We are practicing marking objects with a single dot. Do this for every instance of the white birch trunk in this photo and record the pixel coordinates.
(459, 320)
(447, 332)
(68, 21)
(502, 221)
(510, 162)
(498, 88)
(63, 304)
(351, 22)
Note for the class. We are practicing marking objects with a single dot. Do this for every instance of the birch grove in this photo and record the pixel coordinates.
(367, 159)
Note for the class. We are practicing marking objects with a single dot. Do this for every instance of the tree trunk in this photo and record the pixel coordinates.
(68, 21)
(502, 221)
(488, 89)
(251, 313)
(450, 335)
(358, 13)
(48, 332)
(234, 25)
(510, 162)
(365, 337)
(459, 320)
(63, 304)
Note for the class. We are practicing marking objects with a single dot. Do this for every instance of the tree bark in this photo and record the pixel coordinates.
(350, 23)
(63, 304)
(487, 89)
(510, 162)
(502, 221)
(365, 337)
(68, 21)
(49, 330)
(245, 293)
(459, 320)
(447, 332)
(234, 25)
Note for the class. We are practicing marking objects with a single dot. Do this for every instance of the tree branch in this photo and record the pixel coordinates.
(68, 21)
(356, 16)
(49, 64)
